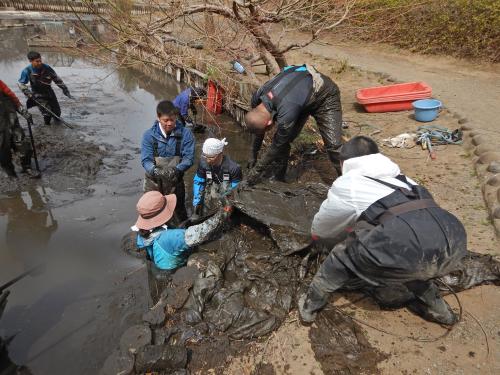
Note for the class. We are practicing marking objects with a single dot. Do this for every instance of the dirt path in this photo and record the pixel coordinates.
(472, 90)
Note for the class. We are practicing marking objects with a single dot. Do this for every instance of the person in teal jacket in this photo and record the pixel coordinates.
(168, 247)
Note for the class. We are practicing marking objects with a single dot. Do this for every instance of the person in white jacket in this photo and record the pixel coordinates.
(398, 237)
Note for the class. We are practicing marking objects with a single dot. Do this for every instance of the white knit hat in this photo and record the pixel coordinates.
(213, 146)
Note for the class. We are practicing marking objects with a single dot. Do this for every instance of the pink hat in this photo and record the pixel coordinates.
(155, 209)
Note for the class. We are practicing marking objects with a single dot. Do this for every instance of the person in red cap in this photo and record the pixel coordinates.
(167, 247)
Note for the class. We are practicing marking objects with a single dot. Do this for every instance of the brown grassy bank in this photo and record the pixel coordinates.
(461, 28)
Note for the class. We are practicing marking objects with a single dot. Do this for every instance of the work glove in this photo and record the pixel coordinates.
(196, 212)
(66, 92)
(27, 92)
(170, 174)
(24, 112)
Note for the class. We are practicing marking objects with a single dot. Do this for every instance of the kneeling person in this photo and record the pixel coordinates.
(399, 239)
(216, 177)
(169, 248)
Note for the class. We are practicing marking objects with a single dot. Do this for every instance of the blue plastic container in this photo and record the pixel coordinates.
(426, 109)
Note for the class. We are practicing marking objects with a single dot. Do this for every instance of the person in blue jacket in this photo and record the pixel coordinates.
(167, 152)
(167, 247)
(185, 102)
(216, 177)
(39, 92)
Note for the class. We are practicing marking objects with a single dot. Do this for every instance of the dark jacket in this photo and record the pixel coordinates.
(40, 80)
(229, 170)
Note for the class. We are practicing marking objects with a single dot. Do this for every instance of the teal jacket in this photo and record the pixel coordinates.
(167, 248)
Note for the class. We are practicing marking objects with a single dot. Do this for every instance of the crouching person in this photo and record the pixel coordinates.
(169, 248)
(216, 177)
(399, 239)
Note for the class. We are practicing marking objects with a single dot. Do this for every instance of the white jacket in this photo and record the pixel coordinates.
(352, 193)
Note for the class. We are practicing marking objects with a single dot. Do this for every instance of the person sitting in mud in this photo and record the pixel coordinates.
(288, 100)
(169, 248)
(12, 136)
(399, 239)
(216, 177)
(185, 101)
(40, 77)
(167, 152)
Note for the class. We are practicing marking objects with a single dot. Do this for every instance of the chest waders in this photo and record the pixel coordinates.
(277, 160)
(12, 137)
(164, 186)
(215, 189)
(44, 96)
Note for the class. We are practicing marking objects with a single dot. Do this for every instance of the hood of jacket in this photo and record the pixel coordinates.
(374, 165)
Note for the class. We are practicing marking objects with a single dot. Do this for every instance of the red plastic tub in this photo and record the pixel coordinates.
(393, 98)
(214, 98)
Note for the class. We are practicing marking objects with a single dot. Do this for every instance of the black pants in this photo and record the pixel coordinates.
(334, 275)
(180, 208)
(327, 111)
(45, 101)
(13, 138)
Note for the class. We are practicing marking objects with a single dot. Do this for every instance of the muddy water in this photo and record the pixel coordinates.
(68, 319)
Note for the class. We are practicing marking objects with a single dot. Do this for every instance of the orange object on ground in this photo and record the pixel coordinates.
(391, 98)
(214, 98)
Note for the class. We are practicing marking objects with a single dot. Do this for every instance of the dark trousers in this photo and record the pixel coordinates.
(328, 116)
(12, 138)
(43, 102)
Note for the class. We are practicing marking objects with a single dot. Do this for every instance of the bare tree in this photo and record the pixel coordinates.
(207, 34)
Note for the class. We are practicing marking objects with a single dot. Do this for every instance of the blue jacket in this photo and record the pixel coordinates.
(166, 146)
(228, 166)
(168, 250)
(182, 103)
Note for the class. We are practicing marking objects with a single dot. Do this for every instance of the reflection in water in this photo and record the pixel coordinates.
(30, 225)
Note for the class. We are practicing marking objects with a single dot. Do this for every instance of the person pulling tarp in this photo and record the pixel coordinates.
(288, 100)
(185, 101)
(12, 136)
(167, 247)
(399, 240)
(167, 152)
(216, 177)
(40, 77)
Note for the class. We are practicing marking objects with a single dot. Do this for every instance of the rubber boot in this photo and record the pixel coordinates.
(429, 304)
(310, 303)
(46, 120)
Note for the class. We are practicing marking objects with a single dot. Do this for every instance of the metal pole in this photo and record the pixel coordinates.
(30, 122)
(52, 113)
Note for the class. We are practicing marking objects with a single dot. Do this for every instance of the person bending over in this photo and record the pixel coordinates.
(399, 238)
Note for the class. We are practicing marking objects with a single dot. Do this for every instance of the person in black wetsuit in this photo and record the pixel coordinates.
(40, 93)
(288, 100)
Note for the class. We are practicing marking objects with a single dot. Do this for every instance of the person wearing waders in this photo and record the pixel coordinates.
(288, 100)
(168, 248)
(185, 101)
(12, 136)
(216, 177)
(399, 238)
(39, 92)
(167, 152)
